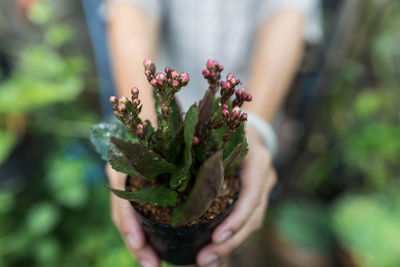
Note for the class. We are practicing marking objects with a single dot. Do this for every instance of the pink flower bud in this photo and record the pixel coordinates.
(249, 97)
(174, 75)
(147, 72)
(124, 100)
(225, 113)
(147, 63)
(139, 130)
(116, 113)
(225, 106)
(135, 92)
(232, 78)
(196, 140)
(236, 112)
(153, 82)
(240, 92)
(211, 64)
(168, 70)
(175, 83)
(165, 110)
(243, 117)
(161, 78)
(184, 78)
(205, 73)
(113, 100)
(220, 68)
(136, 102)
(121, 107)
(226, 85)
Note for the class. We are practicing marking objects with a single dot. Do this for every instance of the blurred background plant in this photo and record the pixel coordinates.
(53, 209)
(337, 203)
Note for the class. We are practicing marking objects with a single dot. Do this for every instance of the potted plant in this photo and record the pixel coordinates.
(181, 177)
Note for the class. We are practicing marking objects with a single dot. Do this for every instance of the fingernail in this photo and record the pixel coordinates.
(215, 264)
(132, 241)
(224, 236)
(145, 263)
(210, 259)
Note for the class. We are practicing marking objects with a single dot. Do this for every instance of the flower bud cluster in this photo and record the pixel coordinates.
(166, 84)
(241, 96)
(233, 118)
(228, 87)
(127, 111)
(212, 73)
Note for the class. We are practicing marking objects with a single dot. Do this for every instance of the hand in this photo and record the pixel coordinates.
(258, 178)
(129, 227)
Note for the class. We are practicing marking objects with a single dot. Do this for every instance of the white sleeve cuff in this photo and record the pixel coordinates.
(266, 131)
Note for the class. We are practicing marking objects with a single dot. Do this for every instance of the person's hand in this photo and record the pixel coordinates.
(128, 225)
(258, 177)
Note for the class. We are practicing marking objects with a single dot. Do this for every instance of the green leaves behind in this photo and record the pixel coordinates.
(182, 172)
(203, 126)
(174, 118)
(100, 136)
(143, 161)
(174, 146)
(236, 138)
(236, 155)
(207, 186)
(159, 195)
(121, 163)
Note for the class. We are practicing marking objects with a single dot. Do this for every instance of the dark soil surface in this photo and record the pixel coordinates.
(164, 214)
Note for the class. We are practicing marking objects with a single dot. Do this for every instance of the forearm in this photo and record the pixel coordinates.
(133, 37)
(276, 57)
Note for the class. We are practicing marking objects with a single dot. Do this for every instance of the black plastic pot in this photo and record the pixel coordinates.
(180, 245)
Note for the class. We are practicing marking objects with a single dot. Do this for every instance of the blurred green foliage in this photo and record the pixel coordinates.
(41, 75)
(367, 225)
(57, 215)
(304, 222)
(353, 153)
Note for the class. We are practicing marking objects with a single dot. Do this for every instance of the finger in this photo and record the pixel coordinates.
(254, 180)
(216, 252)
(146, 256)
(117, 179)
(129, 225)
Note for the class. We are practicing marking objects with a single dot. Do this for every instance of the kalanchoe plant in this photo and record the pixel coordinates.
(186, 156)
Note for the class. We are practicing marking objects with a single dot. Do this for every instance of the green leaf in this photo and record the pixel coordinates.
(174, 118)
(149, 131)
(121, 163)
(174, 147)
(207, 186)
(236, 138)
(178, 212)
(145, 161)
(182, 172)
(159, 195)
(236, 155)
(100, 136)
(203, 126)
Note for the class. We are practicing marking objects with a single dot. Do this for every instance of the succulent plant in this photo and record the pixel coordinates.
(187, 156)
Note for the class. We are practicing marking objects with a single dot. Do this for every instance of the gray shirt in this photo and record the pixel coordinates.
(193, 31)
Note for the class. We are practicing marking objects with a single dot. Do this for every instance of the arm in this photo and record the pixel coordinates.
(278, 50)
(133, 37)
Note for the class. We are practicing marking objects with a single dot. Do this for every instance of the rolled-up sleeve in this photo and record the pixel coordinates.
(310, 8)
